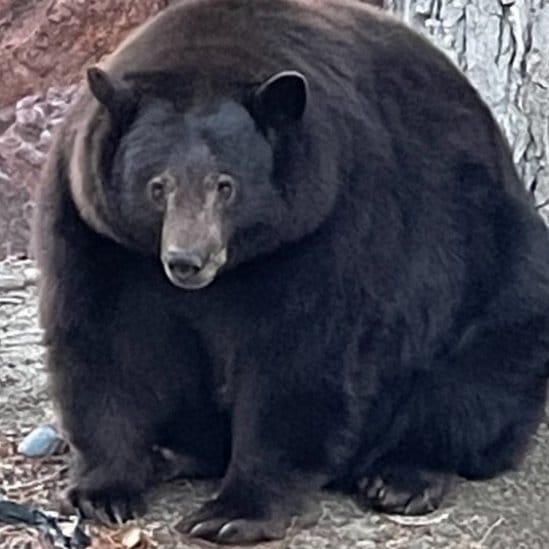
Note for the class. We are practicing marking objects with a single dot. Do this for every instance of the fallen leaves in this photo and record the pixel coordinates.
(128, 537)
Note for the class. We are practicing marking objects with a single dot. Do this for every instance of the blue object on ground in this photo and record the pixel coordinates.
(42, 441)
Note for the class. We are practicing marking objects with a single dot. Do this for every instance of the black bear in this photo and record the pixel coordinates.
(286, 240)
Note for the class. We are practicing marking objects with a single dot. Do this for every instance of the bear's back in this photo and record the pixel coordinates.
(341, 46)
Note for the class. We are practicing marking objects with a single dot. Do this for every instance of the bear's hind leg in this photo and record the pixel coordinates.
(499, 383)
(471, 415)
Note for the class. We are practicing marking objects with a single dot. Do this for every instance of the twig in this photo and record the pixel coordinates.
(418, 521)
(490, 530)
(39, 481)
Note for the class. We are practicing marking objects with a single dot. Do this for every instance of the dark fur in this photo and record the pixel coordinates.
(388, 313)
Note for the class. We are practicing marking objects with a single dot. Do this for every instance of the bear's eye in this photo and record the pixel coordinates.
(226, 187)
(157, 190)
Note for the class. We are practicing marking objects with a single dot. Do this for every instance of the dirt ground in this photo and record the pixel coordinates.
(509, 512)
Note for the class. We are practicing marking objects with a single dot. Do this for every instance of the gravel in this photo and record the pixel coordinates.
(508, 512)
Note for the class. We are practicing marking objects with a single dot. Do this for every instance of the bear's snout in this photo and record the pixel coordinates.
(190, 269)
(183, 263)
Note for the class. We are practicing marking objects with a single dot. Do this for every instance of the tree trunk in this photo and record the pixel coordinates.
(503, 47)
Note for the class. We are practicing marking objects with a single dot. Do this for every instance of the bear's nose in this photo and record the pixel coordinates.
(183, 263)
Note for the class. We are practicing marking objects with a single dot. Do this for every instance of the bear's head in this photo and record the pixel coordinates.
(196, 186)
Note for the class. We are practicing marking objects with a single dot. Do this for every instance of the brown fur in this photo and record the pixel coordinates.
(382, 317)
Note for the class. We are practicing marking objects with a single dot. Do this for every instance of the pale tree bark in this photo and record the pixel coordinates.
(503, 47)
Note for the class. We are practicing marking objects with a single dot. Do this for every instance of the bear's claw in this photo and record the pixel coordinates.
(214, 522)
(404, 491)
(105, 506)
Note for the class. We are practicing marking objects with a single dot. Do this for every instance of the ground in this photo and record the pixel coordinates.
(509, 512)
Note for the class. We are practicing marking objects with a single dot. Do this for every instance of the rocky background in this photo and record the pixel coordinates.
(44, 47)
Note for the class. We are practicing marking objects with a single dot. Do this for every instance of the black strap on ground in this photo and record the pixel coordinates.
(17, 513)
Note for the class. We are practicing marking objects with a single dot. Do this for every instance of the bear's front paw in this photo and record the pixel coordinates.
(223, 521)
(106, 500)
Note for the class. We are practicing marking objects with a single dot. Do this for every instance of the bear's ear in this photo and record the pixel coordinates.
(281, 99)
(117, 98)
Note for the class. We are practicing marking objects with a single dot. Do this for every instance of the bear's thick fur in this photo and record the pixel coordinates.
(287, 241)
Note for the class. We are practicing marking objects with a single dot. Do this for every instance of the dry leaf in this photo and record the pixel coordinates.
(132, 537)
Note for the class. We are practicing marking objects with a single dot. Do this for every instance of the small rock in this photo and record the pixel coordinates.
(366, 544)
(27, 102)
(45, 140)
(4, 177)
(7, 118)
(41, 442)
(9, 142)
(28, 153)
(30, 116)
